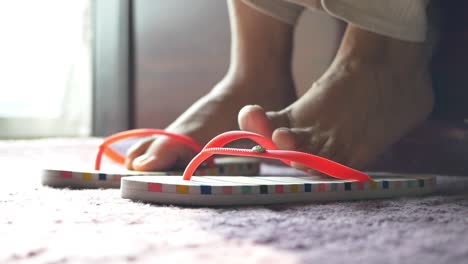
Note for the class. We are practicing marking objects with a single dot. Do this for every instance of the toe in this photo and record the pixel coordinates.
(304, 139)
(137, 150)
(329, 149)
(254, 119)
(344, 152)
(311, 140)
(163, 154)
(285, 139)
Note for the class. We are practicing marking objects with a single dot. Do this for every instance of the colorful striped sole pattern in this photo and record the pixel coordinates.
(221, 169)
(271, 185)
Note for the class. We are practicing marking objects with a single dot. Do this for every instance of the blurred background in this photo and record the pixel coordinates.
(95, 67)
(45, 65)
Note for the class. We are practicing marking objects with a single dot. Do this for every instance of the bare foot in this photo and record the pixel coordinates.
(211, 115)
(376, 90)
(259, 74)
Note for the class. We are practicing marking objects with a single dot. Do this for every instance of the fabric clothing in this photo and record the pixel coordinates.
(401, 19)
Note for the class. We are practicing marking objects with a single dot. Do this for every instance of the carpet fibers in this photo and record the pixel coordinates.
(45, 225)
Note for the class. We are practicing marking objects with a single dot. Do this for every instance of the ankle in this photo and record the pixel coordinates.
(373, 49)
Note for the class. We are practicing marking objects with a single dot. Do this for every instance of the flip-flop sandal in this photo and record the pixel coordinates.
(111, 179)
(346, 184)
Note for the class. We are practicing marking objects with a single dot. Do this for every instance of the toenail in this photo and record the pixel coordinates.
(259, 149)
(141, 159)
(283, 129)
(254, 107)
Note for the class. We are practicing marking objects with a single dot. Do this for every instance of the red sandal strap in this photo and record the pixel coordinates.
(317, 163)
(105, 148)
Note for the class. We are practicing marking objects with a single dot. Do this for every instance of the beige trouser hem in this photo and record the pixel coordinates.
(399, 19)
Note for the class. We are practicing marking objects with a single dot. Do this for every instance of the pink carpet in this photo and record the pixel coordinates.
(44, 225)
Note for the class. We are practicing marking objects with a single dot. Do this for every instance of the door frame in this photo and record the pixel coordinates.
(113, 66)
